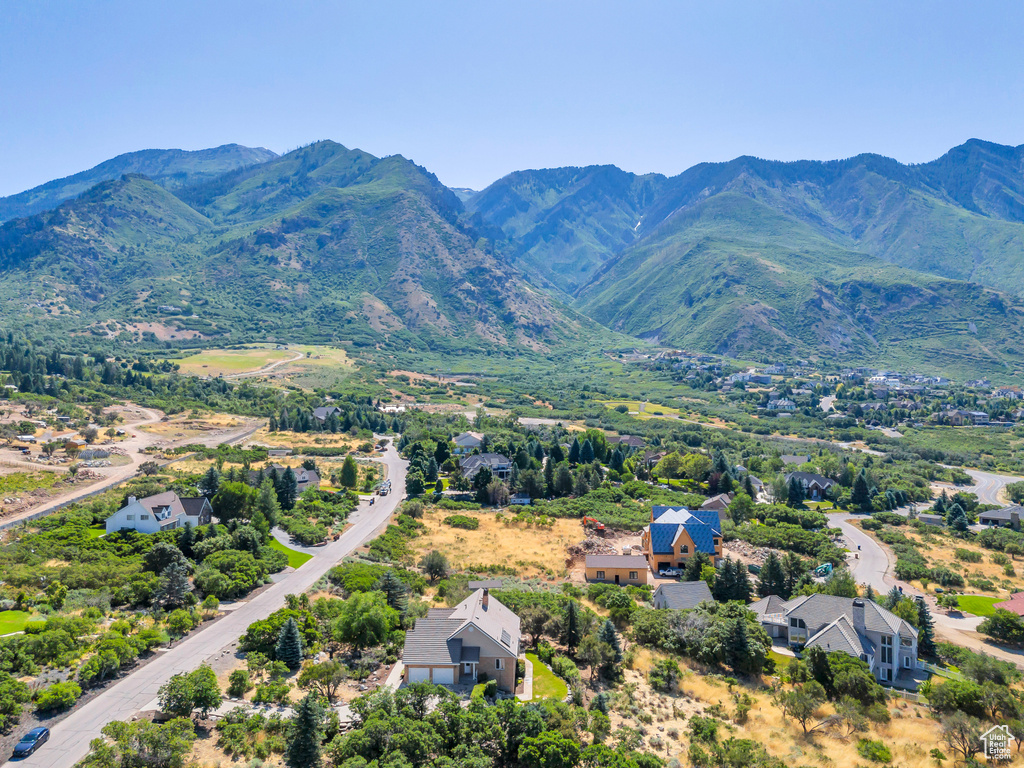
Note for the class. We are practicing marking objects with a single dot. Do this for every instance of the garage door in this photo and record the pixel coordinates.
(444, 675)
(419, 674)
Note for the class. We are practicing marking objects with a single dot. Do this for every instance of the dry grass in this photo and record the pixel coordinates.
(533, 551)
(189, 425)
(911, 734)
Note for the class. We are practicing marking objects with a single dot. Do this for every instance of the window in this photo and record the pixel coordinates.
(717, 542)
(499, 664)
(886, 649)
(905, 642)
(600, 575)
(129, 517)
(143, 517)
(684, 549)
(906, 662)
(634, 575)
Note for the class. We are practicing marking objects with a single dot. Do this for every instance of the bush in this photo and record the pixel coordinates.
(1004, 625)
(491, 689)
(239, 683)
(57, 697)
(968, 555)
(565, 668)
(664, 675)
(875, 751)
(462, 521)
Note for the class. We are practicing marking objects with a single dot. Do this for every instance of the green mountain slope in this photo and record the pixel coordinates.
(732, 275)
(172, 168)
(324, 243)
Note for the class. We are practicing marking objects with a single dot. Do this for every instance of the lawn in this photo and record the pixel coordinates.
(13, 621)
(96, 531)
(295, 558)
(979, 605)
(214, 362)
(546, 685)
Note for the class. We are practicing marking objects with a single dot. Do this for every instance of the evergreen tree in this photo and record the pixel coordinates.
(289, 489)
(725, 582)
(186, 539)
(772, 579)
(940, 505)
(694, 566)
(538, 451)
(439, 486)
(394, 592)
(305, 735)
(430, 475)
(289, 645)
(742, 590)
(556, 454)
(574, 451)
(587, 452)
(748, 486)
(925, 630)
(267, 503)
(892, 598)
(861, 493)
(795, 493)
(870, 593)
(174, 586)
(572, 626)
(795, 569)
(549, 477)
(608, 635)
(725, 483)
(350, 472)
(737, 647)
(442, 453)
(210, 482)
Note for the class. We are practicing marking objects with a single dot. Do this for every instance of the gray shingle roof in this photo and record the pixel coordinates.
(428, 642)
(1002, 514)
(431, 640)
(841, 635)
(684, 595)
(617, 561)
(818, 610)
(767, 606)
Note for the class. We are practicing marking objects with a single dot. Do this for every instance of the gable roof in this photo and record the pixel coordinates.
(810, 478)
(472, 464)
(841, 635)
(772, 605)
(684, 595)
(702, 525)
(468, 438)
(432, 639)
(194, 507)
(1002, 514)
(790, 459)
(818, 610)
(617, 561)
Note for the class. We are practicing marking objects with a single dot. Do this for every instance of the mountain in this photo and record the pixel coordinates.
(323, 243)
(171, 168)
(863, 257)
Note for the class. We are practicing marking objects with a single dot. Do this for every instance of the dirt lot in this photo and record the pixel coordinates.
(533, 551)
(186, 425)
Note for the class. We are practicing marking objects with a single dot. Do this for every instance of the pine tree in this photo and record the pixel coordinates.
(305, 734)
(940, 505)
(925, 630)
(748, 486)
(439, 486)
(572, 625)
(430, 475)
(794, 569)
(587, 452)
(737, 647)
(608, 635)
(574, 451)
(350, 472)
(725, 582)
(267, 503)
(186, 539)
(796, 493)
(289, 645)
(394, 592)
(556, 454)
(174, 587)
(860, 496)
(892, 598)
(742, 590)
(210, 482)
(442, 452)
(772, 579)
(870, 593)
(694, 566)
(549, 477)
(289, 489)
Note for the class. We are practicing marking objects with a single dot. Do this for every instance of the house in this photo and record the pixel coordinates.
(276, 453)
(719, 503)
(978, 417)
(500, 466)
(682, 595)
(617, 569)
(815, 486)
(1007, 517)
(794, 460)
(937, 520)
(651, 458)
(304, 478)
(630, 441)
(784, 404)
(324, 412)
(460, 645)
(778, 369)
(520, 500)
(467, 442)
(850, 625)
(676, 535)
(161, 512)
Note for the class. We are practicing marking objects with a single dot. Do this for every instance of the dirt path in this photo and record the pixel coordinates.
(137, 440)
(265, 369)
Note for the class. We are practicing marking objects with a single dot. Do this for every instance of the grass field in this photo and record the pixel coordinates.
(979, 605)
(295, 558)
(13, 621)
(22, 482)
(217, 362)
(546, 685)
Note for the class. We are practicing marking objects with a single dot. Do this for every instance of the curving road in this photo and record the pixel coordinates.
(69, 739)
(989, 486)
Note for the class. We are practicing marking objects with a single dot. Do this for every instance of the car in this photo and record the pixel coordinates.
(670, 572)
(31, 741)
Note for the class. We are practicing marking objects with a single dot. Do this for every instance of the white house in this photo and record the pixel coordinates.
(162, 512)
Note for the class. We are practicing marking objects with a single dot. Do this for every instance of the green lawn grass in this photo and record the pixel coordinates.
(979, 605)
(781, 660)
(96, 531)
(13, 621)
(295, 558)
(546, 685)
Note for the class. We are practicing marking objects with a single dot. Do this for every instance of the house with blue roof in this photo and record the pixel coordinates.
(676, 534)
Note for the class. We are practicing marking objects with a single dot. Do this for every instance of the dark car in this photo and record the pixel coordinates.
(31, 741)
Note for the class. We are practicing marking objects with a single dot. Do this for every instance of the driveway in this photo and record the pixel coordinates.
(69, 739)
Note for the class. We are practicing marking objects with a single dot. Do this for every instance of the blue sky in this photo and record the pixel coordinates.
(475, 90)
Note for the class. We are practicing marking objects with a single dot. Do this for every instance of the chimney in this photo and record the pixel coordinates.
(485, 598)
(858, 613)
(1015, 519)
(131, 499)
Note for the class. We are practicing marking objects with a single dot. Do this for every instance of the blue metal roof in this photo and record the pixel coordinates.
(701, 525)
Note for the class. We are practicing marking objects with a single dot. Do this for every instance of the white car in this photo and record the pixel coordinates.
(670, 572)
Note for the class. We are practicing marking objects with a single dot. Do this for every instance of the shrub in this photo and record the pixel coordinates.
(565, 668)
(491, 689)
(57, 697)
(239, 683)
(875, 751)
(664, 675)
(968, 555)
(462, 521)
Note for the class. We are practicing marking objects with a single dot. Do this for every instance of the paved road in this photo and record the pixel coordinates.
(826, 403)
(989, 486)
(69, 739)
